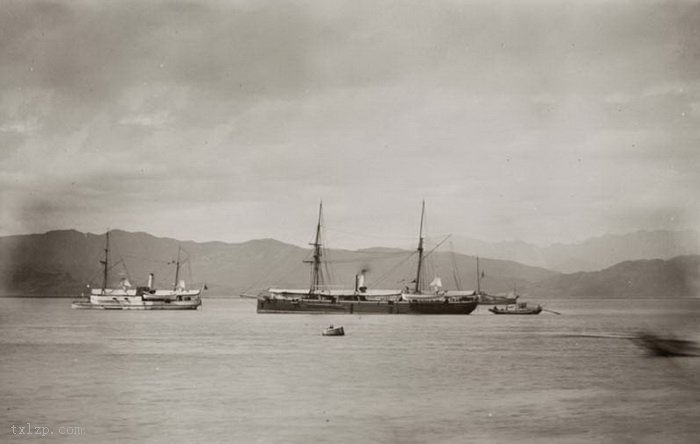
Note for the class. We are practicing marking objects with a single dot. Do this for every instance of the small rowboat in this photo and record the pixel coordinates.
(334, 331)
(521, 308)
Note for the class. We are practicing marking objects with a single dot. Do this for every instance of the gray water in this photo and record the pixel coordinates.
(225, 374)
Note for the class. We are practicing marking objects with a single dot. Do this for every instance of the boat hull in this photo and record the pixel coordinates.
(365, 307)
(138, 305)
(534, 311)
(331, 331)
(487, 299)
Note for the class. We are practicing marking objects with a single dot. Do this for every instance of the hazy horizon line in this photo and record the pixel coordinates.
(406, 247)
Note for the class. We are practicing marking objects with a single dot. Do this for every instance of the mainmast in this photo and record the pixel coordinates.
(177, 267)
(420, 251)
(478, 277)
(316, 268)
(105, 263)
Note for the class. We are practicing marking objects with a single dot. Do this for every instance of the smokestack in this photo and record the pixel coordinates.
(150, 281)
(361, 282)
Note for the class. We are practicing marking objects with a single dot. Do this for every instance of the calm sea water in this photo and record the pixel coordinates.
(226, 374)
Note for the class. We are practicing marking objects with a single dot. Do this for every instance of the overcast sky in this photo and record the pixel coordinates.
(539, 121)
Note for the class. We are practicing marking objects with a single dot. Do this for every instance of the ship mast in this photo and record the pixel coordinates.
(478, 277)
(105, 263)
(177, 267)
(316, 268)
(420, 251)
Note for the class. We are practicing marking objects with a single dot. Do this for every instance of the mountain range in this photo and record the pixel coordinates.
(64, 262)
(591, 254)
(644, 278)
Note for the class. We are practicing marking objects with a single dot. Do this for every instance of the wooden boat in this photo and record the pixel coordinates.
(334, 331)
(521, 308)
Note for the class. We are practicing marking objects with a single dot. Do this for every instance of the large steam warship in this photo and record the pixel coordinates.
(320, 298)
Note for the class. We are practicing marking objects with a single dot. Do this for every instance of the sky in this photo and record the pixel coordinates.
(540, 121)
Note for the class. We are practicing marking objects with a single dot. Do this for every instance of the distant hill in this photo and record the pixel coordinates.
(63, 262)
(590, 255)
(657, 278)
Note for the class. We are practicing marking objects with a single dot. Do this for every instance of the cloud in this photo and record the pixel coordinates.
(155, 120)
(20, 127)
(512, 120)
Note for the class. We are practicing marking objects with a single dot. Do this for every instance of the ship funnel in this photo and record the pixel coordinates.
(360, 282)
(150, 281)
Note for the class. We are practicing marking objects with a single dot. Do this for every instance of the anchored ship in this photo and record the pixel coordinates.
(319, 298)
(490, 299)
(148, 297)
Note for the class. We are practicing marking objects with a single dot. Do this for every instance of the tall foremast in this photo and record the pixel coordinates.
(316, 262)
(478, 277)
(417, 288)
(177, 267)
(105, 263)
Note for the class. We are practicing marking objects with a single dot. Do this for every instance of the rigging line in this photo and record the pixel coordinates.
(145, 259)
(121, 260)
(361, 259)
(455, 275)
(93, 276)
(327, 258)
(189, 264)
(327, 275)
(396, 267)
(436, 246)
(126, 270)
(294, 268)
(330, 276)
(428, 264)
(380, 253)
(368, 235)
(128, 276)
(274, 265)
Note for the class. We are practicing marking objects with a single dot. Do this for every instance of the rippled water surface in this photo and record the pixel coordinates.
(226, 374)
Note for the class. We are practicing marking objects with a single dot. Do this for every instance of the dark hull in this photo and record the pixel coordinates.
(486, 299)
(515, 312)
(365, 307)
